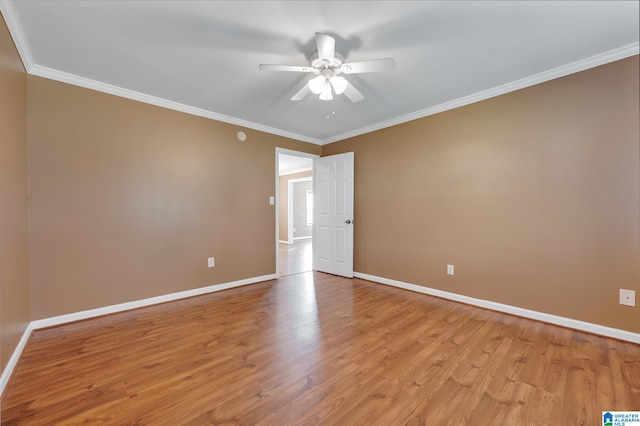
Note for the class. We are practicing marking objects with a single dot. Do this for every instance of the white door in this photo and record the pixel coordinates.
(333, 215)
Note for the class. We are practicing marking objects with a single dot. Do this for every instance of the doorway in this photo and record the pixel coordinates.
(294, 211)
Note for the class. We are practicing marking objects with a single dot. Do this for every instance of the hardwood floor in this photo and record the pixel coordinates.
(295, 258)
(313, 348)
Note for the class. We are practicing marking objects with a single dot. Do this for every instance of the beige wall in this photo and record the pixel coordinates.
(533, 196)
(128, 200)
(283, 194)
(14, 265)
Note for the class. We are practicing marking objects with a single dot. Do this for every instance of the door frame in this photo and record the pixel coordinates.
(277, 203)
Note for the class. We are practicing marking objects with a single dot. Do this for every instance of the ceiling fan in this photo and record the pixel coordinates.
(327, 65)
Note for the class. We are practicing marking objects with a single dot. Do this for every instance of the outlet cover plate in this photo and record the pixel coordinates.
(449, 269)
(211, 262)
(627, 297)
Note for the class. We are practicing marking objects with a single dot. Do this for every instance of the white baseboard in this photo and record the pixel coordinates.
(283, 242)
(514, 310)
(13, 361)
(91, 313)
(540, 316)
(308, 237)
(76, 316)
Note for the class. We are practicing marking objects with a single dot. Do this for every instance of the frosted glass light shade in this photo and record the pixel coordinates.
(326, 94)
(316, 84)
(339, 84)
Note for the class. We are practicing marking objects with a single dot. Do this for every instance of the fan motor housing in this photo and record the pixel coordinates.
(320, 65)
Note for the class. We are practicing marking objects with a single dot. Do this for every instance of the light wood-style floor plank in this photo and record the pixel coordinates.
(295, 258)
(313, 348)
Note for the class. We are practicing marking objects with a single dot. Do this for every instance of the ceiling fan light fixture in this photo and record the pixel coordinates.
(327, 64)
(317, 84)
(326, 94)
(339, 84)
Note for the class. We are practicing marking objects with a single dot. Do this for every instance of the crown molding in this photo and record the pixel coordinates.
(19, 39)
(562, 71)
(581, 65)
(8, 11)
(15, 29)
(87, 83)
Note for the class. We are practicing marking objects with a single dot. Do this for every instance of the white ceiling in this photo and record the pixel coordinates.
(202, 56)
(288, 164)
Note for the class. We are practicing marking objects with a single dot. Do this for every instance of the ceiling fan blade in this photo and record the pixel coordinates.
(374, 65)
(301, 93)
(294, 68)
(326, 47)
(352, 93)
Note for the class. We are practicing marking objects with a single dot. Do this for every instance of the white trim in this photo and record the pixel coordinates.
(308, 237)
(15, 357)
(87, 83)
(290, 219)
(290, 227)
(106, 310)
(540, 316)
(513, 310)
(19, 39)
(62, 319)
(277, 192)
(562, 71)
(15, 29)
(283, 242)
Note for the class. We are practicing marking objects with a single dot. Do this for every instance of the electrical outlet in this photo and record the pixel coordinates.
(627, 297)
(449, 269)
(211, 262)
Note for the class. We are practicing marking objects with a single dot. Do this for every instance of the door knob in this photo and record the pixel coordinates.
(347, 221)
